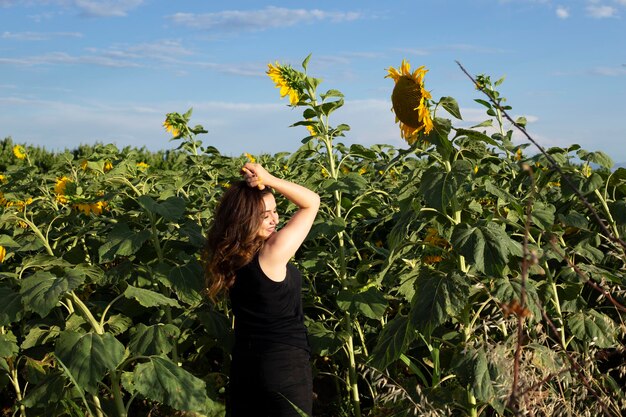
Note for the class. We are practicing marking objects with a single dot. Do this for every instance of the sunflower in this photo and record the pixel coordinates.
(19, 152)
(410, 101)
(60, 189)
(169, 127)
(3, 253)
(284, 78)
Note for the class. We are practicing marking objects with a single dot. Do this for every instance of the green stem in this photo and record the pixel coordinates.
(161, 258)
(117, 394)
(96, 401)
(86, 313)
(462, 265)
(343, 278)
(608, 213)
(354, 389)
(556, 302)
(38, 233)
(18, 391)
(361, 337)
(471, 398)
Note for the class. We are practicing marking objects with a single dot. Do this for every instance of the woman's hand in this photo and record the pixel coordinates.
(255, 175)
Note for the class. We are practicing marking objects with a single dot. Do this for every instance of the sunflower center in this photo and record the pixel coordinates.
(405, 98)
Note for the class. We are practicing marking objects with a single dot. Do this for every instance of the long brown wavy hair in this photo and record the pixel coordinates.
(232, 240)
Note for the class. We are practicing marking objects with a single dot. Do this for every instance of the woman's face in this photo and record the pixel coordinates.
(270, 217)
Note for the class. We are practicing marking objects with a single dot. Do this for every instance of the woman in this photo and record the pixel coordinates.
(248, 257)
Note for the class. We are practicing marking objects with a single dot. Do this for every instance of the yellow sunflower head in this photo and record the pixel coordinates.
(61, 185)
(19, 152)
(410, 101)
(286, 79)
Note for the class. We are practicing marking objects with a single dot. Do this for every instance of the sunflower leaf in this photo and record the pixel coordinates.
(161, 380)
(451, 106)
(89, 356)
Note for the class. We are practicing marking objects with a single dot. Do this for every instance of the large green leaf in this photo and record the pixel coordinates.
(371, 303)
(508, 291)
(10, 306)
(439, 137)
(437, 298)
(327, 227)
(473, 369)
(451, 106)
(188, 282)
(171, 209)
(218, 326)
(161, 380)
(476, 135)
(48, 391)
(593, 327)
(40, 336)
(543, 215)
(584, 185)
(149, 298)
(440, 188)
(42, 291)
(8, 345)
(89, 356)
(325, 341)
(392, 342)
(596, 157)
(618, 211)
(158, 339)
(43, 261)
(485, 246)
(351, 183)
(122, 242)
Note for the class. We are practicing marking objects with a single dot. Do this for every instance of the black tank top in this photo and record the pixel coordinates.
(268, 312)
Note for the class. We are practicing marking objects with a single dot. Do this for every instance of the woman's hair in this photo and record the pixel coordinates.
(233, 240)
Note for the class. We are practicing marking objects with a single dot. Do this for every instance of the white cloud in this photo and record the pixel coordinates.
(91, 8)
(562, 12)
(601, 12)
(67, 59)
(106, 8)
(125, 56)
(39, 36)
(258, 20)
(609, 71)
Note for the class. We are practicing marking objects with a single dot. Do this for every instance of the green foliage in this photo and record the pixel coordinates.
(421, 268)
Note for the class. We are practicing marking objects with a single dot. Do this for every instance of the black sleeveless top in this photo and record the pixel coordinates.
(267, 311)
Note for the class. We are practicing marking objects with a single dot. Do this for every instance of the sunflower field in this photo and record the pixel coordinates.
(463, 275)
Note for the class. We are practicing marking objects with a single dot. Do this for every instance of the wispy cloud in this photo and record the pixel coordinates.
(562, 12)
(56, 58)
(125, 56)
(601, 12)
(456, 47)
(609, 71)
(106, 8)
(259, 20)
(38, 36)
(90, 8)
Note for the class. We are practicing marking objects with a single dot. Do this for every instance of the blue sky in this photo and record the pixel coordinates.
(81, 71)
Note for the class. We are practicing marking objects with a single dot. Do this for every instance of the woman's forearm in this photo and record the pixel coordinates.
(297, 194)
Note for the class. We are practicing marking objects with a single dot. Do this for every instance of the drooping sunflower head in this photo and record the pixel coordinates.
(410, 101)
(285, 78)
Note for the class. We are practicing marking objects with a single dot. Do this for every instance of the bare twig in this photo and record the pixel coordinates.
(513, 402)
